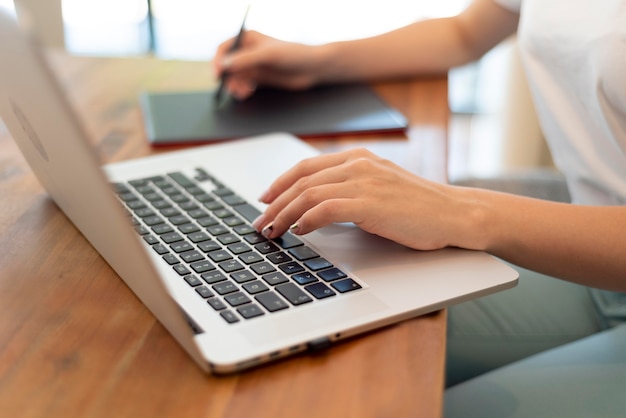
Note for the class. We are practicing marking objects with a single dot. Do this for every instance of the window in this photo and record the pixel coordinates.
(192, 29)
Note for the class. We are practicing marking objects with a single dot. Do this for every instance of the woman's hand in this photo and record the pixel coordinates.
(263, 60)
(375, 194)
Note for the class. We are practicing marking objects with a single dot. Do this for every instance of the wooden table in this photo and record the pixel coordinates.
(76, 342)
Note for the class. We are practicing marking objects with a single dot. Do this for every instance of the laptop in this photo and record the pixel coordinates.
(176, 228)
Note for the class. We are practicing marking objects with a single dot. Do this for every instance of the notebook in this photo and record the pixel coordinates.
(175, 227)
(174, 118)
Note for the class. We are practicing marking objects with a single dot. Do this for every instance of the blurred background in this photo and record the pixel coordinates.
(493, 128)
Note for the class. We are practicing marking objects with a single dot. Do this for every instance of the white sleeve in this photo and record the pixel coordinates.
(512, 5)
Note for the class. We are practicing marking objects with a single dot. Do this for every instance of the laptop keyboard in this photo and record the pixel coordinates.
(203, 230)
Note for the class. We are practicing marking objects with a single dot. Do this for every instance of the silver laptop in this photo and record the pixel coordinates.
(175, 227)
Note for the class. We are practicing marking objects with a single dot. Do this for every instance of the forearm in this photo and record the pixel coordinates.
(425, 47)
(583, 244)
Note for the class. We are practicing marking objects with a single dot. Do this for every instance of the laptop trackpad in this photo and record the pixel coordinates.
(344, 312)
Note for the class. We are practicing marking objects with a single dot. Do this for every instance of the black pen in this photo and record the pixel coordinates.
(233, 47)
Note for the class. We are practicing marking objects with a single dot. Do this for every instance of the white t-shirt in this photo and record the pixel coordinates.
(574, 54)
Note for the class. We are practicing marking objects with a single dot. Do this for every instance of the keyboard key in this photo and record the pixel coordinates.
(188, 228)
(170, 259)
(279, 258)
(162, 229)
(202, 266)
(226, 287)
(247, 211)
(293, 293)
(208, 246)
(188, 206)
(197, 237)
(220, 255)
(207, 221)
(228, 238)
(233, 200)
(303, 253)
(179, 219)
(197, 213)
(244, 229)
(145, 212)
(229, 316)
(160, 249)
(216, 304)
(151, 239)
(271, 301)
(192, 280)
(222, 191)
(181, 269)
(230, 265)
(266, 247)
(191, 256)
(345, 285)
(304, 278)
(171, 237)
(242, 276)
(181, 179)
(179, 198)
(213, 205)
(291, 268)
(138, 182)
(262, 268)
(181, 246)
(250, 311)
(135, 204)
(153, 220)
(288, 241)
(218, 230)
(254, 238)
(222, 213)
(255, 287)
(204, 197)
(160, 204)
(232, 221)
(275, 278)
(331, 274)
(120, 188)
(238, 248)
(169, 212)
(319, 290)
(152, 197)
(318, 264)
(250, 257)
(237, 299)
(204, 291)
(213, 277)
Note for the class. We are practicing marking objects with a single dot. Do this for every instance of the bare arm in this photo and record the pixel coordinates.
(584, 244)
(429, 46)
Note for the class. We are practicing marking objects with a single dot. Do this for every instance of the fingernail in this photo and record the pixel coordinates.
(264, 195)
(268, 230)
(258, 221)
(294, 228)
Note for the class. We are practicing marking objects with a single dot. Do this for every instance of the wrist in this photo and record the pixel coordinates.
(475, 220)
(328, 64)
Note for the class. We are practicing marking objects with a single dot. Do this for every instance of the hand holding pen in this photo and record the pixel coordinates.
(234, 47)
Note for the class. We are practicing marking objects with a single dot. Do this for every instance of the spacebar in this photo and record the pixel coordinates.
(247, 211)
